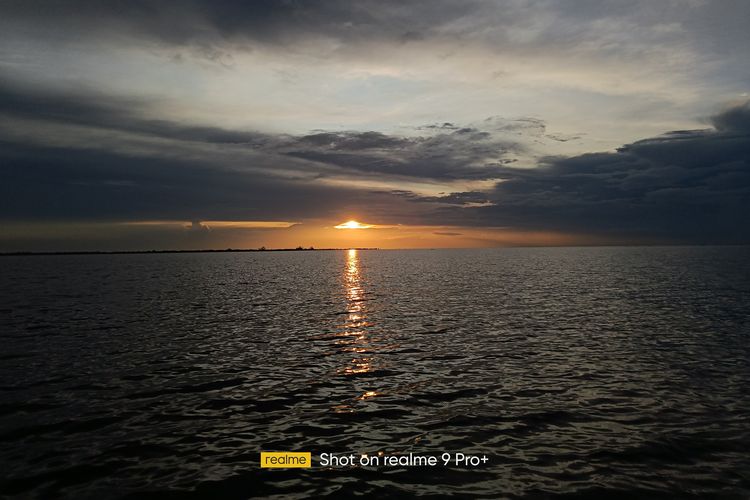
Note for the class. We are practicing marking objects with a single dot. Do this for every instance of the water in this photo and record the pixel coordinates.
(578, 371)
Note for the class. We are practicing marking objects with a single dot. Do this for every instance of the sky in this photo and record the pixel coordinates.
(136, 125)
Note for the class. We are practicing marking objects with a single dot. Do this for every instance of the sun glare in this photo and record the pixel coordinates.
(353, 224)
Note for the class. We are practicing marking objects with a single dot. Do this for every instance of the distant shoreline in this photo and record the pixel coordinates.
(241, 250)
(227, 250)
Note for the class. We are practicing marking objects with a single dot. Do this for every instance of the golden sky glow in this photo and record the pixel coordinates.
(236, 224)
(163, 235)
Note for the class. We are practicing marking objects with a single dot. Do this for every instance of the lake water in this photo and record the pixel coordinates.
(593, 372)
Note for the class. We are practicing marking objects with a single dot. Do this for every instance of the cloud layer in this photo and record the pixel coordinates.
(525, 115)
(685, 186)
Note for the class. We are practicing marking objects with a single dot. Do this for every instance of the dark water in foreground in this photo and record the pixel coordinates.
(593, 372)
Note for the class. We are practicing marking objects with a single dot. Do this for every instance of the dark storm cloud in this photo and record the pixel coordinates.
(205, 23)
(447, 154)
(43, 177)
(465, 153)
(353, 141)
(735, 119)
(458, 198)
(202, 23)
(688, 186)
(97, 110)
(43, 183)
(443, 151)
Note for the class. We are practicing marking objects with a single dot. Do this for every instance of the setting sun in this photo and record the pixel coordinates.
(353, 224)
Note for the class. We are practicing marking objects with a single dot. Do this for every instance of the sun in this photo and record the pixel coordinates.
(353, 224)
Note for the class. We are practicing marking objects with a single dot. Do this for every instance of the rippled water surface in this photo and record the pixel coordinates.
(579, 371)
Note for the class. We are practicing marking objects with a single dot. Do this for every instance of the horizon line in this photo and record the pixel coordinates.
(312, 249)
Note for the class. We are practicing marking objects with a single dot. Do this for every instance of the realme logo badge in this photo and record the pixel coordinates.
(278, 459)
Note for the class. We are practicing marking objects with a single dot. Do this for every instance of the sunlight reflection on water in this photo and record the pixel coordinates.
(590, 371)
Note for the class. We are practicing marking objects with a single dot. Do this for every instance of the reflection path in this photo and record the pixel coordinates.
(354, 328)
(355, 337)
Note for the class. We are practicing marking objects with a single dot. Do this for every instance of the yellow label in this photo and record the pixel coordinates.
(278, 459)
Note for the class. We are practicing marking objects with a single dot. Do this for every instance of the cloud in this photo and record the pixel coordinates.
(599, 71)
(49, 183)
(466, 198)
(90, 156)
(87, 107)
(685, 186)
(447, 153)
(197, 226)
(734, 119)
(268, 21)
(465, 153)
(523, 23)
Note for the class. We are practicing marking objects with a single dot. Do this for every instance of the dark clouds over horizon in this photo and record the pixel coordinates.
(688, 186)
(94, 153)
